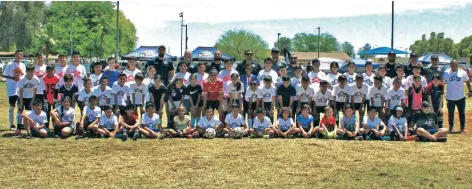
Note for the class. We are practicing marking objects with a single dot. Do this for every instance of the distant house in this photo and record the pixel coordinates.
(304, 57)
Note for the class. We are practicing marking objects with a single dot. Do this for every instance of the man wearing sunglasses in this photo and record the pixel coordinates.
(293, 66)
(248, 59)
(433, 68)
(276, 62)
(217, 64)
(391, 65)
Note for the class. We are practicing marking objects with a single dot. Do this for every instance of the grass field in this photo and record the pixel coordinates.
(226, 163)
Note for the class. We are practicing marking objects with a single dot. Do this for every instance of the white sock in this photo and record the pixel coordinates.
(10, 115)
(249, 123)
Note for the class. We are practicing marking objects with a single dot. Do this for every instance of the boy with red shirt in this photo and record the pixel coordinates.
(328, 127)
(50, 91)
(212, 92)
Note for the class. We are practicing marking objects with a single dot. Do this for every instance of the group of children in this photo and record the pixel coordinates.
(308, 105)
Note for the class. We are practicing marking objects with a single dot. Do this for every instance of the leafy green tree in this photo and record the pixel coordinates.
(435, 43)
(308, 42)
(366, 47)
(347, 48)
(465, 47)
(235, 42)
(285, 43)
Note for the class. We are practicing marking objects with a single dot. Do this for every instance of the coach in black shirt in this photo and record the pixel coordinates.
(413, 63)
(391, 65)
(162, 65)
(241, 68)
(217, 64)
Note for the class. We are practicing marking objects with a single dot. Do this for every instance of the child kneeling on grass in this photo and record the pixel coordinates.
(151, 123)
(35, 121)
(129, 123)
(209, 121)
(349, 125)
(426, 124)
(262, 125)
(64, 116)
(181, 124)
(108, 123)
(235, 120)
(373, 126)
(397, 125)
(328, 127)
(285, 126)
(90, 117)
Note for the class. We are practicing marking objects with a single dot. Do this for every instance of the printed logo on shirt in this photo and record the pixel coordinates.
(358, 94)
(341, 94)
(137, 90)
(454, 78)
(130, 78)
(369, 82)
(39, 73)
(378, 95)
(316, 80)
(395, 97)
(234, 125)
(120, 93)
(266, 95)
(350, 80)
(322, 99)
(28, 85)
(334, 82)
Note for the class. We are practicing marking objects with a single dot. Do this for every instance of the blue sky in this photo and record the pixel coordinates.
(357, 22)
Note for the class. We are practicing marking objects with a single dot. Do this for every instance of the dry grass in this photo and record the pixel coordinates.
(225, 163)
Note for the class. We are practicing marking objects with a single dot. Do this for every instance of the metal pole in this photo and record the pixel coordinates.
(393, 11)
(186, 37)
(117, 29)
(278, 41)
(181, 31)
(318, 41)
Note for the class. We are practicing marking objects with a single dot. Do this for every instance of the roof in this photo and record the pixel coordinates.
(382, 51)
(145, 53)
(206, 54)
(306, 56)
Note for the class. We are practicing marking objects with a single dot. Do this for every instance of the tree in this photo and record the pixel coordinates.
(235, 42)
(347, 48)
(285, 43)
(465, 47)
(366, 47)
(435, 43)
(307, 42)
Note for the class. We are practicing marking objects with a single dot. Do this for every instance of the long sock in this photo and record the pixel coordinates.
(197, 120)
(10, 115)
(192, 122)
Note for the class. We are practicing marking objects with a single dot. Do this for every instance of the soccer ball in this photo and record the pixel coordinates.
(238, 133)
(18, 73)
(160, 136)
(210, 133)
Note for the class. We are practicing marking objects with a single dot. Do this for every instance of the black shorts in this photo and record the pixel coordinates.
(320, 109)
(248, 106)
(215, 104)
(358, 106)
(366, 103)
(26, 104)
(40, 97)
(12, 100)
(267, 106)
(340, 106)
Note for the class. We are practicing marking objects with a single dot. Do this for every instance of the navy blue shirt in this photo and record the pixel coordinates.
(112, 76)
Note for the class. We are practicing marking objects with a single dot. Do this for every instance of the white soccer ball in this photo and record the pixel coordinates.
(210, 133)
(238, 133)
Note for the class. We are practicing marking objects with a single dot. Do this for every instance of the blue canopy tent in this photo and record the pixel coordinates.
(147, 53)
(442, 58)
(381, 51)
(206, 54)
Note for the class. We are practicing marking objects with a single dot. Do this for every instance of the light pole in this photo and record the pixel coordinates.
(278, 41)
(181, 15)
(439, 37)
(186, 37)
(393, 11)
(318, 28)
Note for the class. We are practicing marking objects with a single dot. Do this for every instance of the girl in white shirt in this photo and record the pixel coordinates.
(285, 126)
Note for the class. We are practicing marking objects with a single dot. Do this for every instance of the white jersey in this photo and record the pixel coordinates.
(83, 96)
(387, 82)
(201, 78)
(66, 115)
(103, 95)
(323, 99)
(108, 122)
(333, 79)
(350, 78)
(92, 114)
(185, 77)
(225, 75)
(138, 92)
(267, 93)
(122, 93)
(359, 93)
(205, 123)
(234, 122)
(95, 79)
(79, 74)
(377, 94)
(260, 125)
(285, 125)
(270, 73)
(38, 119)
(341, 94)
(395, 96)
(455, 83)
(410, 81)
(10, 71)
(254, 95)
(40, 72)
(305, 94)
(316, 78)
(28, 86)
(130, 74)
(369, 80)
(61, 71)
(151, 122)
(231, 90)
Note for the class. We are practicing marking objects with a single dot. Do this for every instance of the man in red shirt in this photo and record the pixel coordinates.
(50, 90)
(213, 92)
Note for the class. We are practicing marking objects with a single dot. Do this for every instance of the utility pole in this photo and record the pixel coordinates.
(186, 37)
(318, 28)
(181, 15)
(278, 41)
(393, 16)
(117, 29)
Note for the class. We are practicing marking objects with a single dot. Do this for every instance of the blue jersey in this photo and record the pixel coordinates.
(305, 122)
(349, 123)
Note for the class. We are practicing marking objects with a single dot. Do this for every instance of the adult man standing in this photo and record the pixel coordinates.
(162, 65)
(241, 68)
(77, 70)
(391, 65)
(413, 63)
(455, 78)
(192, 67)
(433, 69)
(294, 65)
(276, 62)
(217, 64)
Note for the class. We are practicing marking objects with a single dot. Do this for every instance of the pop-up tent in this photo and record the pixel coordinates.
(381, 51)
(206, 54)
(442, 58)
(147, 53)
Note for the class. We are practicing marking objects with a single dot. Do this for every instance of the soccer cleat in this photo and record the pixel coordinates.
(17, 132)
(463, 131)
(124, 137)
(28, 136)
(441, 139)
(12, 128)
(358, 138)
(135, 136)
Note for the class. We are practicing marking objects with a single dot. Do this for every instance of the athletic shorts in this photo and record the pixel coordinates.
(215, 104)
(366, 103)
(358, 106)
(26, 104)
(35, 132)
(340, 105)
(12, 100)
(320, 109)
(247, 105)
(432, 131)
(267, 106)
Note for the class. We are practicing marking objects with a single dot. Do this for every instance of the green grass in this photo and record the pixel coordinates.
(226, 163)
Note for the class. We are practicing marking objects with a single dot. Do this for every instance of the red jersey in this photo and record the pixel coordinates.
(328, 122)
(50, 86)
(213, 89)
(130, 120)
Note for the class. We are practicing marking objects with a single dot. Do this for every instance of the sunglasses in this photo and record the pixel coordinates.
(253, 83)
(434, 59)
(248, 54)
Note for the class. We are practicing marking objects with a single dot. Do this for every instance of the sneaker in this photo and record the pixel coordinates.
(442, 139)
(17, 132)
(135, 136)
(358, 138)
(12, 128)
(28, 136)
(124, 137)
(463, 131)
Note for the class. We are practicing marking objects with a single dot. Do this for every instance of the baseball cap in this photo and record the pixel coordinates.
(161, 47)
(248, 52)
(275, 49)
(399, 109)
(149, 104)
(434, 56)
(413, 54)
(285, 78)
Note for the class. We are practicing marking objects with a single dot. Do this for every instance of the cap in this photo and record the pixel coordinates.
(315, 61)
(285, 78)
(129, 107)
(434, 56)
(235, 104)
(359, 76)
(149, 104)
(248, 52)
(399, 109)
(253, 82)
(275, 49)
(161, 47)
(133, 58)
(391, 52)
(425, 104)
(413, 54)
